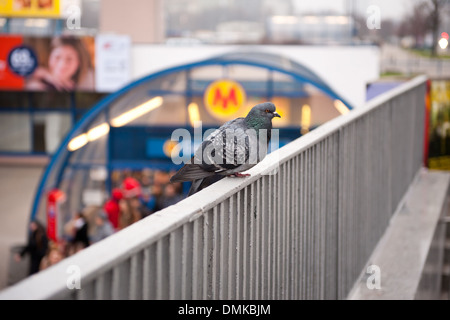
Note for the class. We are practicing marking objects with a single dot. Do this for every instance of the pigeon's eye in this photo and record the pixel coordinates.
(267, 110)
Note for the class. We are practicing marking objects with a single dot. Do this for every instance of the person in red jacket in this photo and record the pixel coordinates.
(112, 208)
(131, 188)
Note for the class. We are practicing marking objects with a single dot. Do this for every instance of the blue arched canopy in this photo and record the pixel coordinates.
(95, 145)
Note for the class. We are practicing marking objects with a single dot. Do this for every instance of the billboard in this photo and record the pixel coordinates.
(64, 63)
(30, 8)
(439, 125)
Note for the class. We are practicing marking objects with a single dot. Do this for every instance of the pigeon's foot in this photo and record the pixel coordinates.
(240, 175)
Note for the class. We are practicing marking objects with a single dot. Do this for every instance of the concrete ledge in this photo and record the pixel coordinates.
(404, 253)
(26, 160)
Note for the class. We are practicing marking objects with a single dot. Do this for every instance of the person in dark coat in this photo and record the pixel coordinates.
(81, 237)
(36, 247)
(170, 196)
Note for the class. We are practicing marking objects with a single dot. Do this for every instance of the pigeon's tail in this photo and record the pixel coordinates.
(195, 187)
(190, 172)
(200, 184)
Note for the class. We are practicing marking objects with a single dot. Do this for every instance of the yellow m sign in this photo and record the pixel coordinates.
(223, 98)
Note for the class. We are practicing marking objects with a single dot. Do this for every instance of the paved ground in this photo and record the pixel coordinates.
(410, 269)
(396, 59)
(16, 195)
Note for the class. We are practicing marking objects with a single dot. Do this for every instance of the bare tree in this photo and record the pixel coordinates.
(419, 22)
(416, 23)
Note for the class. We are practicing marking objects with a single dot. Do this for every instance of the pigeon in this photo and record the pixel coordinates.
(236, 146)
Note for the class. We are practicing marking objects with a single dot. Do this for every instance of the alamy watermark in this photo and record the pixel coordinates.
(74, 279)
(373, 17)
(73, 21)
(374, 280)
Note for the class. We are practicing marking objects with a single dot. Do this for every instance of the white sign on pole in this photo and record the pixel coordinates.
(112, 62)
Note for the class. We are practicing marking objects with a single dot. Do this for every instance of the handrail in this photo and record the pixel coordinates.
(177, 242)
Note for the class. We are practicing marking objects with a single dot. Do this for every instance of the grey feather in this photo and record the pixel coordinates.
(234, 147)
(200, 184)
(190, 172)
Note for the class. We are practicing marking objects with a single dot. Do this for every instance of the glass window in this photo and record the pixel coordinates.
(86, 100)
(322, 106)
(79, 114)
(15, 132)
(173, 111)
(169, 110)
(205, 116)
(139, 106)
(49, 129)
(201, 77)
(14, 99)
(284, 84)
(51, 100)
(252, 79)
(32, 26)
(174, 82)
(3, 25)
(89, 144)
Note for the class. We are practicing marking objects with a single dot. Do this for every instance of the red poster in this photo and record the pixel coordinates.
(9, 79)
(54, 200)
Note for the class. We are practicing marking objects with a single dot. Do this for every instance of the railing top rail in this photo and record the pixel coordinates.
(120, 246)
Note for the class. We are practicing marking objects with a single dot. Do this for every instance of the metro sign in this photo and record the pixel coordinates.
(223, 98)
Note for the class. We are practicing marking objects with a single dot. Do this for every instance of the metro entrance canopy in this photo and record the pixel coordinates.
(131, 128)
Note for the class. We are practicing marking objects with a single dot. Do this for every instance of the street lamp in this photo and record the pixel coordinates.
(443, 42)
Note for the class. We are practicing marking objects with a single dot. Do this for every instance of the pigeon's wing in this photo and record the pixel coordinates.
(224, 149)
(200, 184)
(229, 146)
(190, 172)
(203, 163)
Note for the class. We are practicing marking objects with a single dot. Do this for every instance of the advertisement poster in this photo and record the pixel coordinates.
(30, 8)
(8, 78)
(112, 62)
(439, 130)
(62, 63)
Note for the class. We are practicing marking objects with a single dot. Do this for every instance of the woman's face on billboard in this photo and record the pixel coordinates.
(64, 62)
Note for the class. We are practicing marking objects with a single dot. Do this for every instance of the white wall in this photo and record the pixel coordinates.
(346, 69)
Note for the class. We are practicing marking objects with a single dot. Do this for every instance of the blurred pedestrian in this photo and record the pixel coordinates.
(36, 247)
(148, 203)
(157, 194)
(81, 231)
(103, 229)
(54, 256)
(131, 187)
(129, 212)
(112, 208)
(170, 196)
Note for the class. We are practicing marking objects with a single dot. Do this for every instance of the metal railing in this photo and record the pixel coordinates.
(304, 232)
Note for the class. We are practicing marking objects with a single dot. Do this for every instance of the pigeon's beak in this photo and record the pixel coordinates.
(276, 114)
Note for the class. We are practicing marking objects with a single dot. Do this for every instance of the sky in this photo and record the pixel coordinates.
(390, 9)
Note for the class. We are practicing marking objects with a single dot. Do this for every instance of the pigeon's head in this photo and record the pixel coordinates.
(264, 110)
